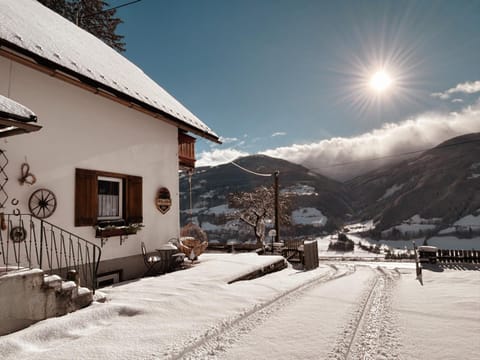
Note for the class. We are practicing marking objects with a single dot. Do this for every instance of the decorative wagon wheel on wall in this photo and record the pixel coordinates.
(42, 203)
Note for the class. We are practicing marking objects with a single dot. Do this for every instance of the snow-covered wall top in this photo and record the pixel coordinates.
(12, 107)
(33, 27)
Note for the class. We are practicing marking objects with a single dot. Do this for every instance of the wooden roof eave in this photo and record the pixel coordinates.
(10, 127)
(32, 60)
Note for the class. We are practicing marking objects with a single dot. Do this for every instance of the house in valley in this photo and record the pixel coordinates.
(109, 151)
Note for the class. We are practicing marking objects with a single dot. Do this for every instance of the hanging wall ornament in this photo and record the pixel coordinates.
(18, 234)
(163, 201)
(42, 203)
(3, 179)
(27, 177)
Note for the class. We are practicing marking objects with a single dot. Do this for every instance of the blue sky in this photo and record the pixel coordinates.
(299, 69)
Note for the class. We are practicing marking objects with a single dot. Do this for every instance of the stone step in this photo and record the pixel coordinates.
(83, 297)
(52, 282)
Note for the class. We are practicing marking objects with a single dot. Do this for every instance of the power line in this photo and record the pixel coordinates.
(112, 8)
(250, 171)
(364, 160)
(122, 5)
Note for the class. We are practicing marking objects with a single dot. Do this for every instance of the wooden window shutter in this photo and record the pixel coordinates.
(86, 197)
(134, 206)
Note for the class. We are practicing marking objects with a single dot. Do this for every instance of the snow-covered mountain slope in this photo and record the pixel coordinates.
(440, 187)
(442, 183)
(317, 200)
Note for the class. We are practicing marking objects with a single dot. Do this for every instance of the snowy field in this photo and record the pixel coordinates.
(339, 311)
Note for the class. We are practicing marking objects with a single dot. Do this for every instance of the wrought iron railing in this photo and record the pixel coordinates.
(28, 242)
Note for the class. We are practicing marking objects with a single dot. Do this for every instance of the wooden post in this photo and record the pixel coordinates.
(418, 266)
(277, 208)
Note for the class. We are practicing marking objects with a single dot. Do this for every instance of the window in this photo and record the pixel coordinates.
(186, 150)
(105, 196)
(110, 198)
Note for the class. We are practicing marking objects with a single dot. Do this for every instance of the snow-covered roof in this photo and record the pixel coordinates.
(39, 32)
(13, 109)
(15, 118)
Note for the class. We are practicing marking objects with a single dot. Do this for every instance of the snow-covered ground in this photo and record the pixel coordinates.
(309, 216)
(338, 311)
(445, 239)
(299, 190)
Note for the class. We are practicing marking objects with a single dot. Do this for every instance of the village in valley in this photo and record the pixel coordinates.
(132, 229)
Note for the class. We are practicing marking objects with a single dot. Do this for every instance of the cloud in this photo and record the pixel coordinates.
(457, 101)
(345, 158)
(218, 156)
(279, 133)
(465, 88)
(228, 140)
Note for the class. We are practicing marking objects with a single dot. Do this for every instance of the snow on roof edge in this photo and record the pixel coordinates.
(38, 31)
(16, 110)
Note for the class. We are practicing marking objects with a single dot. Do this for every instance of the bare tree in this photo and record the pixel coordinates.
(258, 206)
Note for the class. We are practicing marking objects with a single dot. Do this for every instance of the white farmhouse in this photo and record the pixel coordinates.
(111, 143)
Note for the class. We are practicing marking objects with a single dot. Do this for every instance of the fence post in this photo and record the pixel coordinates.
(41, 244)
(94, 272)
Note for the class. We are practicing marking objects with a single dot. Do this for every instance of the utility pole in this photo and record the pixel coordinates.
(277, 202)
(277, 207)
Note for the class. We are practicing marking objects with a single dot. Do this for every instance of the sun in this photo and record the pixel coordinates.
(380, 81)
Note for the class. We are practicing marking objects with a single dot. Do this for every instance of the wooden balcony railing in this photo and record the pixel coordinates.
(186, 151)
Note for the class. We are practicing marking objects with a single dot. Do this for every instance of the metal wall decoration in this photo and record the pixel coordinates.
(3, 222)
(3, 179)
(18, 234)
(163, 201)
(15, 202)
(27, 177)
(42, 203)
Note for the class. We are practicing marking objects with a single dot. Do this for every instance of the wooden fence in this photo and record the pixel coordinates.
(456, 256)
(293, 250)
(305, 252)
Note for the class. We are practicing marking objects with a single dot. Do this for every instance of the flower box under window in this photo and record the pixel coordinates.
(104, 230)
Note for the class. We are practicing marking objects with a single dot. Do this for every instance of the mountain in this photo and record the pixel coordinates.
(434, 189)
(312, 193)
(442, 184)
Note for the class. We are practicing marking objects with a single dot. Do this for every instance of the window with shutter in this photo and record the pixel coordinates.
(107, 197)
(110, 198)
(85, 197)
(134, 204)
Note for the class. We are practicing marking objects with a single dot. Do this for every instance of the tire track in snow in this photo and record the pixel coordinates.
(218, 338)
(372, 332)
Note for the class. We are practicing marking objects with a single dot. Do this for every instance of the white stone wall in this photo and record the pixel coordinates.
(84, 130)
(27, 296)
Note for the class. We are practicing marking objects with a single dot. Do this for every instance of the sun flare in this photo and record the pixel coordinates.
(380, 81)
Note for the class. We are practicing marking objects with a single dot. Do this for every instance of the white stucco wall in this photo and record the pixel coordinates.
(84, 130)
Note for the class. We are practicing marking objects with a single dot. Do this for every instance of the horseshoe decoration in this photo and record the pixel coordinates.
(42, 203)
(27, 177)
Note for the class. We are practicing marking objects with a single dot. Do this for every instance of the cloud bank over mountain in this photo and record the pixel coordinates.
(219, 156)
(344, 158)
